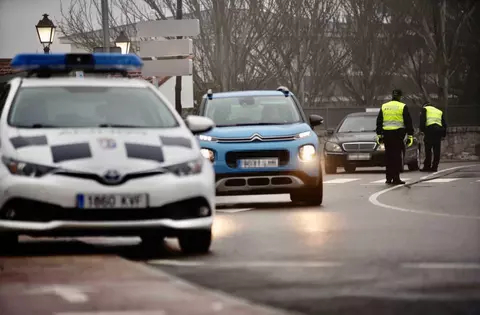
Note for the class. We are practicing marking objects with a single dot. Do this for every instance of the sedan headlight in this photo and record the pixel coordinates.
(381, 147)
(307, 153)
(25, 168)
(187, 168)
(208, 154)
(332, 147)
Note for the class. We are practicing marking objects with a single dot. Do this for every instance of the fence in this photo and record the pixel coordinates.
(456, 116)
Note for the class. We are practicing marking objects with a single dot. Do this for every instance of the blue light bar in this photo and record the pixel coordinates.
(95, 61)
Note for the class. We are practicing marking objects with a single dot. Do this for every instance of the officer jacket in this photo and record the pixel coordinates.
(431, 125)
(396, 117)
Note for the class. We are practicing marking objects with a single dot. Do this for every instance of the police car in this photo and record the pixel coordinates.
(89, 155)
(263, 143)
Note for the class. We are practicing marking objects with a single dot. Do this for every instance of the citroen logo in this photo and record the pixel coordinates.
(256, 136)
(112, 176)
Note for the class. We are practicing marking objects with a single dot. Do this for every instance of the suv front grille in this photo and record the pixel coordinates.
(233, 156)
(359, 146)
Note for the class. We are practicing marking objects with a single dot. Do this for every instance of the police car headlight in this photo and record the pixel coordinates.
(187, 168)
(332, 147)
(381, 147)
(208, 154)
(26, 169)
(307, 153)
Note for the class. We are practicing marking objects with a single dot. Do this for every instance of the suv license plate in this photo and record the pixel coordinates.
(259, 163)
(112, 201)
(359, 157)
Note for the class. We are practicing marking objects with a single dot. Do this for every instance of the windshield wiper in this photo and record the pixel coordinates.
(120, 126)
(38, 126)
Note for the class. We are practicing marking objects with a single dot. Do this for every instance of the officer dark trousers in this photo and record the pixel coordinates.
(433, 142)
(394, 145)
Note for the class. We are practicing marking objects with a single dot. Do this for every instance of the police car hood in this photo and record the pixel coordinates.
(99, 149)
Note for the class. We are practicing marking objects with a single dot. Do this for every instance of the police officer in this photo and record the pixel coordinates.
(434, 127)
(393, 123)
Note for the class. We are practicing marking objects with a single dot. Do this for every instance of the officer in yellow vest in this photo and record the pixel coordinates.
(393, 123)
(434, 127)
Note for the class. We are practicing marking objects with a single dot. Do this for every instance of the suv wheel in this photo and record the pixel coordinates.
(312, 196)
(196, 241)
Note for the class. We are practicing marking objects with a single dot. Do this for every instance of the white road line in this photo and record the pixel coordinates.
(341, 180)
(373, 199)
(157, 312)
(247, 264)
(461, 266)
(442, 180)
(382, 181)
(234, 210)
(68, 293)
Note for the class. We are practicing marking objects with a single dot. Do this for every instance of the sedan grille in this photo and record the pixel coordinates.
(359, 146)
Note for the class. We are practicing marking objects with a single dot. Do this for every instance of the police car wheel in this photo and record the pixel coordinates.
(195, 242)
(8, 242)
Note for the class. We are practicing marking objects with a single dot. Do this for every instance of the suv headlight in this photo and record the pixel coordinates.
(208, 154)
(307, 152)
(332, 147)
(381, 147)
(187, 168)
(25, 168)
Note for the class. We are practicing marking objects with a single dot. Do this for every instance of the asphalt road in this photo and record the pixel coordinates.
(369, 249)
(405, 251)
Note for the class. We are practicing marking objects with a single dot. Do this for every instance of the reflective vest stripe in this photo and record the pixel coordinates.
(434, 116)
(393, 115)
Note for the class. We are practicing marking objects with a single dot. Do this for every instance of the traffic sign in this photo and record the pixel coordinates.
(166, 28)
(164, 68)
(166, 48)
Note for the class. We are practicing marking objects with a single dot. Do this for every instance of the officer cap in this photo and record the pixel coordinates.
(397, 93)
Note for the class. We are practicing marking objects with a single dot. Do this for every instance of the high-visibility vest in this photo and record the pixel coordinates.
(434, 116)
(393, 115)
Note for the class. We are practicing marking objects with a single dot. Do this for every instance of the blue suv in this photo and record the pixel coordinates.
(263, 143)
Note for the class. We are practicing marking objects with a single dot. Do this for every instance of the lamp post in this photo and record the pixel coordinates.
(46, 32)
(123, 42)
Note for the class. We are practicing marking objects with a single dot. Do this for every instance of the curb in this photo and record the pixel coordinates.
(215, 295)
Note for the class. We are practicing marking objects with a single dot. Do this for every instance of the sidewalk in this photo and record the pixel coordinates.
(106, 285)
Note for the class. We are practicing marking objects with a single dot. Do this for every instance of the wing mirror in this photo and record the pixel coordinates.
(316, 120)
(330, 131)
(199, 124)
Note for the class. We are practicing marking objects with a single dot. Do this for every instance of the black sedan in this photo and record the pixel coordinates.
(353, 144)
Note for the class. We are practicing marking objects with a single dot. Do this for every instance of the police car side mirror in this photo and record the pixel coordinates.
(199, 124)
(316, 120)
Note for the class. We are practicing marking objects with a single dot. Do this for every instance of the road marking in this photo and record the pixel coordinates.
(68, 293)
(341, 180)
(247, 264)
(462, 266)
(373, 199)
(442, 180)
(234, 210)
(382, 181)
(159, 312)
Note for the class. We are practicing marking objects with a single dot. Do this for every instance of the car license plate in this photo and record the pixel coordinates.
(259, 163)
(359, 157)
(114, 201)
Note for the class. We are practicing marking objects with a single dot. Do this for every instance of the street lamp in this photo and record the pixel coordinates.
(123, 42)
(46, 32)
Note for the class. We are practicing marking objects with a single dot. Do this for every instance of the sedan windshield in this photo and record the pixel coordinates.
(75, 107)
(252, 110)
(359, 124)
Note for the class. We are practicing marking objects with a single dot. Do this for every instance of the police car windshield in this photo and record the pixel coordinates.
(89, 106)
(252, 110)
(359, 124)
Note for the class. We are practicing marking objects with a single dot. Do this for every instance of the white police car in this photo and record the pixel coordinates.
(99, 156)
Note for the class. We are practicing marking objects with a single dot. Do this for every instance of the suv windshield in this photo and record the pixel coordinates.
(75, 107)
(252, 110)
(359, 124)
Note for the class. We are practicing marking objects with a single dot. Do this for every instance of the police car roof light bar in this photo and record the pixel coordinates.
(96, 62)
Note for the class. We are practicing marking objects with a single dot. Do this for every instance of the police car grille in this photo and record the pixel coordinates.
(232, 157)
(359, 146)
(102, 181)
